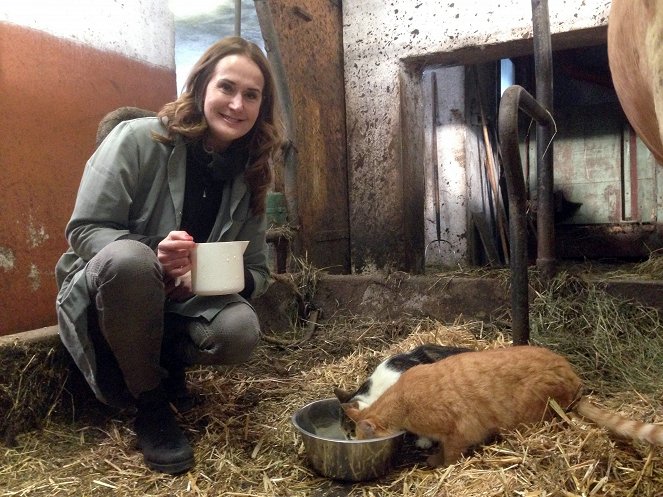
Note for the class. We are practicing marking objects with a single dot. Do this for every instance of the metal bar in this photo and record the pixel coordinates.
(545, 219)
(290, 158)
(514, 98)
(491, 171)
(633, 176)
(238, 17)
(434, 159)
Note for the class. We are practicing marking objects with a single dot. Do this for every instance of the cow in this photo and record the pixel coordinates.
(635, 56)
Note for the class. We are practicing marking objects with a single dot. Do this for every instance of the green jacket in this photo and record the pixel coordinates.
(133, 184)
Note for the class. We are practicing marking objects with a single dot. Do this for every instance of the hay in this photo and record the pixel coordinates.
(302, 314)
(245, 446)
(650, 269)
(31, 382)
(616, 344)
(285, 231)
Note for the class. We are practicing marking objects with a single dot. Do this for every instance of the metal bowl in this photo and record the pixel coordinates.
(329, 451)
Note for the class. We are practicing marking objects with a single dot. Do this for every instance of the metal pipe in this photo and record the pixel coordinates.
(516, 97)
(290, 157)
(238, 17)
(545, 220)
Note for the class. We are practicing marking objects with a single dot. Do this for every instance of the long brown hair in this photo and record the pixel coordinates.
(185, 115)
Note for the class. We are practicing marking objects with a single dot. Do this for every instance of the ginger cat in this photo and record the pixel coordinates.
(468, 398)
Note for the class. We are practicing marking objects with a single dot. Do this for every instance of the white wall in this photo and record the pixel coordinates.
(382, 39)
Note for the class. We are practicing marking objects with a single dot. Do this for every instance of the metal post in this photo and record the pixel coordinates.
(545, 221)
(290, 158)
(238, 17)
(515, 97)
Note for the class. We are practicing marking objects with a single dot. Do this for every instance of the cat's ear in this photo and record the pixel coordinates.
(342, 395)
(367, 428)
(351, 410)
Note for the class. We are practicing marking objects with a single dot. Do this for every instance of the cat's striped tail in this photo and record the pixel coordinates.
(620, 425)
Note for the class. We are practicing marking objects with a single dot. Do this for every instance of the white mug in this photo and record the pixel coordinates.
(217, 268)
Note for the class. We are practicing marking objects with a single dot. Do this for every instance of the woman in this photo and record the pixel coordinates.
(155, 187)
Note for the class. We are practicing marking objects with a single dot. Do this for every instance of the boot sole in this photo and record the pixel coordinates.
(172, 468)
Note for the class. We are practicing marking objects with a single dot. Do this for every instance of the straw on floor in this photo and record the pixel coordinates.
(245, 446)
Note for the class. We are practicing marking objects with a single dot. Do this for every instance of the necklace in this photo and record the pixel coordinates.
(207, 149)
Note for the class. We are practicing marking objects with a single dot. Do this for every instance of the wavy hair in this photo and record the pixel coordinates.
(185, 116)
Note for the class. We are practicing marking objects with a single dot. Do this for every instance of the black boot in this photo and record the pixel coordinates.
(172, 360)
(165, 447)
(177, 392)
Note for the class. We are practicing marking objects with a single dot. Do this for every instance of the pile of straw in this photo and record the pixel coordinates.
(650, 269)
(31, 381)
(616, 344)
(245, 446)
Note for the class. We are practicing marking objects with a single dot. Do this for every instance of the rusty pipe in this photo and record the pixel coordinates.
(545, 217)
(290, 158)
(516, 98)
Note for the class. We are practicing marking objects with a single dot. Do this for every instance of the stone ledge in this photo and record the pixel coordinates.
(444, 298)
(646, 292)
(36, 365)
(40, 335)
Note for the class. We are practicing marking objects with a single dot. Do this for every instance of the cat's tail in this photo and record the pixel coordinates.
(620, 425)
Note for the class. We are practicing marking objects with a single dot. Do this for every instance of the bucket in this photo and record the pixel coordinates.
(277, 211)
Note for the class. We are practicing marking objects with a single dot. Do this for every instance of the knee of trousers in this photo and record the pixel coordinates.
(126, 264)
(232, 336)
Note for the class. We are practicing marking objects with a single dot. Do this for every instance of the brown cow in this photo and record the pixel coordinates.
(635, 54)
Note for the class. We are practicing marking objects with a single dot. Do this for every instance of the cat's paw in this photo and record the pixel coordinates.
(435, 460)
(423, 443)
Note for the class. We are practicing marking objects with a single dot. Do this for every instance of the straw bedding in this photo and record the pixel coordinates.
(245, 446)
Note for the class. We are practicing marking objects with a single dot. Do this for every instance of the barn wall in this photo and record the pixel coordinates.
(64, 65)
(386, 50)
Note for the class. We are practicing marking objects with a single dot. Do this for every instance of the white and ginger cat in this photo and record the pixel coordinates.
(386, 374)
(468, 398)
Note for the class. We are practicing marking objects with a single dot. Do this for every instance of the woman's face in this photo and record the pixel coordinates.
(232, 100)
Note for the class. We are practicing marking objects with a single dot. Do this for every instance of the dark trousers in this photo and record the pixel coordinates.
(132, 332)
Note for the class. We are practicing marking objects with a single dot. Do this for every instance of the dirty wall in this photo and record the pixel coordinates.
(64, 65)
(387, 46)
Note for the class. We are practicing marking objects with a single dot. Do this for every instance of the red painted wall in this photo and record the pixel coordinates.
(54, 92)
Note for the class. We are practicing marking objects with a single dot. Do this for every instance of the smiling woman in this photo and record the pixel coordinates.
(197, 173)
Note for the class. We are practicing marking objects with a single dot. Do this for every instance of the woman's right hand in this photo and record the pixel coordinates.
(174, 253)
(178, 289)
